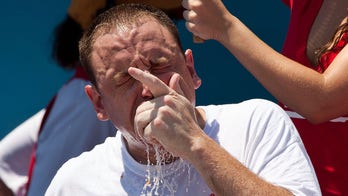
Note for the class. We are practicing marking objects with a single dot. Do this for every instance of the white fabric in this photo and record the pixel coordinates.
(256, 132)
(71, 128)
(15, 152)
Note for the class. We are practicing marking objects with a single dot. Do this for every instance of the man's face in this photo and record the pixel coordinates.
(149, 47)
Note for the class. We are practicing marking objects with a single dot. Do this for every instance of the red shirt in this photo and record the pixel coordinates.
(326, 143)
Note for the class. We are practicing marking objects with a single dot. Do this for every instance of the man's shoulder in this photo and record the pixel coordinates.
(266, 111)
(246, 114)
(87, 162)
(252, 115)
(259, 103)
(247, 106)
(262, 106)
(77, 172)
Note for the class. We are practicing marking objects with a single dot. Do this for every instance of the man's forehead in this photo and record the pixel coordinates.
(143, 40)
(127, 37)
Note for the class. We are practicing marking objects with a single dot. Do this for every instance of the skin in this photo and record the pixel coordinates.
(4, 190)
(304, 90)
(155, 84)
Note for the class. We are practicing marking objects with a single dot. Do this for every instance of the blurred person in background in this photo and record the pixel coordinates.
(31, 154)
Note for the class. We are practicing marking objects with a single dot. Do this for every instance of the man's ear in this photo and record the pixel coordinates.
(95, 98)
(191, 67)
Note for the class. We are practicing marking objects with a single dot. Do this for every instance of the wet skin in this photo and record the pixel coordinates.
(145, 108)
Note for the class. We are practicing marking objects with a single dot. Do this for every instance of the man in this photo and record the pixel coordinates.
(71, 120)
(145, 84)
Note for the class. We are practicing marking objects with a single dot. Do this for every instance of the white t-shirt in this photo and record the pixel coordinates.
(70, 129)
(256, 132)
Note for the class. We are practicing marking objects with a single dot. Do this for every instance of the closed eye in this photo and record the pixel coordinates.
(121, 78)
(161, 65)
(159, 69)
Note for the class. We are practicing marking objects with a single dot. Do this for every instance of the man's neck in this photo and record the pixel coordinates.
(149, 154)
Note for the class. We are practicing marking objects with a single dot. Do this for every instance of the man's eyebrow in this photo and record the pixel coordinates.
(119, 74)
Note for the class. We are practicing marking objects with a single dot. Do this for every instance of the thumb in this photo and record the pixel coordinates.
(174, 83)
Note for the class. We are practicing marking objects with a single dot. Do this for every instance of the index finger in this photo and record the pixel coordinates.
(184, 4)
(155, 85)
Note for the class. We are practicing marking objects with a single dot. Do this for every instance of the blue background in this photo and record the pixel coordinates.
(30, 77)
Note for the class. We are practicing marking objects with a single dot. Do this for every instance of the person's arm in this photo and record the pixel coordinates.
(4, 190)
(224, 174)
(15, 153)
(318, 97)
(170, 119)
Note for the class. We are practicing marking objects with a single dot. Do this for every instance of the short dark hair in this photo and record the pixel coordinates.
(118, 17)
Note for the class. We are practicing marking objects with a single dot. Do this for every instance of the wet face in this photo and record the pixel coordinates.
(149, 47)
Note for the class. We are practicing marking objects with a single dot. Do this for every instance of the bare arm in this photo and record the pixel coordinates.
(15, 153)
(224, 174)
(302, 89)
(4, 190)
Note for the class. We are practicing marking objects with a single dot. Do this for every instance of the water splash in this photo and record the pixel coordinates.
(161, 178)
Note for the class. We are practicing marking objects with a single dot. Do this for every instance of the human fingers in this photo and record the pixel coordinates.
(174, 83)
(180, 86)
(185, 4)
(155, 85)
(154, 123)
(172, 127)
(191, 27)
(148, 110)
(192, 4)
(189, 15)
(201, 19)
(150, 132)
(144, 114)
